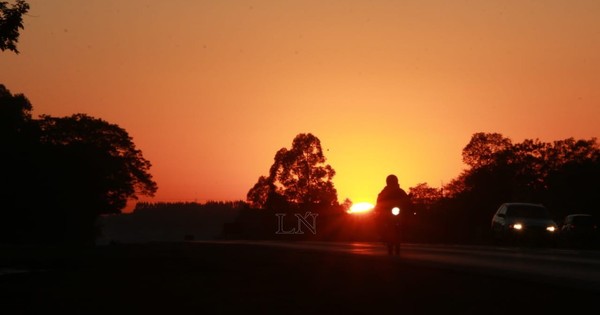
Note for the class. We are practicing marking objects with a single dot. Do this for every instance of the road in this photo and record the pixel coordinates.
(563, 267)
(250, 277)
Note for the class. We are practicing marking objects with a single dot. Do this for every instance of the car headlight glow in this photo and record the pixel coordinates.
(395, 211)
(518, 226)
(550, 229)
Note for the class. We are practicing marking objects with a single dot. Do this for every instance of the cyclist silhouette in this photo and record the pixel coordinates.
(392, 208)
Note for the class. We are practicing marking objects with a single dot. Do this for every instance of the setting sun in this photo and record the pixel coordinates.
(361, 207)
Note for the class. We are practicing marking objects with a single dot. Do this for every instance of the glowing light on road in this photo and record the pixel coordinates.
(361, 207)
(395, 211)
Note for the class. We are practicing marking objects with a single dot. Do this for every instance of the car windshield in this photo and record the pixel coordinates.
(526, 211)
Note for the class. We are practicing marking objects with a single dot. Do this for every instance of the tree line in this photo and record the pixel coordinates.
(60, 173)
(563, 175)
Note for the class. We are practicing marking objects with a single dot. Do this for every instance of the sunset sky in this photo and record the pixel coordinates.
(210, 90)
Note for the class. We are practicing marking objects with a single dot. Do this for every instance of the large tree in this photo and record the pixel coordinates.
(298, 179)
(11, 21)
(18, 153)
(60, 174)
(107, 165)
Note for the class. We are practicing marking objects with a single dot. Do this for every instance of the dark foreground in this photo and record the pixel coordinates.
(192, 278)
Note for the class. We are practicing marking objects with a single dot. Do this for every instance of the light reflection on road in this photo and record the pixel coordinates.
(574, 268)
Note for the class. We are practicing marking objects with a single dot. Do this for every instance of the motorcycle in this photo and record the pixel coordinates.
(393, 231)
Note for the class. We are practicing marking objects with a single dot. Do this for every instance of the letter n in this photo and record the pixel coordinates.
(302, 220)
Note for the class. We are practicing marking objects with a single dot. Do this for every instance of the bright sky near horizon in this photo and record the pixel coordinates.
(210, 90)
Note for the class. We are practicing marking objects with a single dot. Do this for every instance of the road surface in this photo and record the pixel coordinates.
(240, 277)
(565, 267)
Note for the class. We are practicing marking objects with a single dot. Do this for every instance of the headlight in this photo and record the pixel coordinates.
(550, 229)
(395, 211)
(518, 226)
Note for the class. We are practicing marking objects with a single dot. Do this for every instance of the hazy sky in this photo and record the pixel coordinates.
(210, 90)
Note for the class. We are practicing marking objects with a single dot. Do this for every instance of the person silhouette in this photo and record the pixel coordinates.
(393, 204)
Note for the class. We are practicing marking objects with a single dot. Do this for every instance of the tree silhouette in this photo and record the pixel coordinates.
(258, 195)
(298, 179)
(106, 161)
(11, 21)
(60, 174)
(573, 177)
(423, 196)
(563, 175)
(481, 150)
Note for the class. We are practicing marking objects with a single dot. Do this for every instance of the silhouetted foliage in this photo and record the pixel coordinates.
(60, 174)
(261, 192)
(563, 175)
(482, 149)
(11, 21)
(103, 163)
(423, 196)
(144, 207)
(172, 221)
(298, 179)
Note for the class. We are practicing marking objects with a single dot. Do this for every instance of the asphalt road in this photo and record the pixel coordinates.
(275, 278)
(563, 267)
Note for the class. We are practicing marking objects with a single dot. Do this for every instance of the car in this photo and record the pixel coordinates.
(579, 230)
(519, 222)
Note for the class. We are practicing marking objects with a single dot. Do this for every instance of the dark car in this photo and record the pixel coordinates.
(579, 229)
(523, 222)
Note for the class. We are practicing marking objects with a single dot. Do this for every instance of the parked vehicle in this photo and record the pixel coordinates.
(524, 223)
(579, 230)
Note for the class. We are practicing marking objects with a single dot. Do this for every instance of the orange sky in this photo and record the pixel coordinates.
(210, 90)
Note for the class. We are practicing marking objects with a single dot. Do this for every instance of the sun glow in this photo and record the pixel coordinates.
(361, 207)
